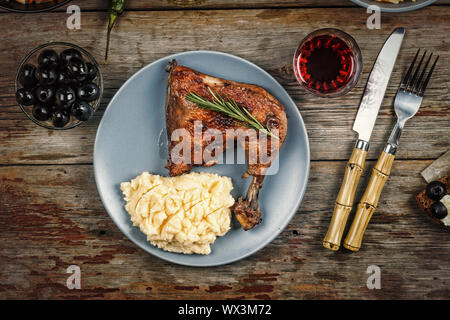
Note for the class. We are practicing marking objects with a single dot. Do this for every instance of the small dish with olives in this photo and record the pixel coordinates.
(59, 85)
(435, 200)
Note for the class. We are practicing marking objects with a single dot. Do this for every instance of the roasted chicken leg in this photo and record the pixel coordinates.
(183, 114)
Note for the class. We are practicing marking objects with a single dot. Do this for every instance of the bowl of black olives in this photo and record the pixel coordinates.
(59, 85)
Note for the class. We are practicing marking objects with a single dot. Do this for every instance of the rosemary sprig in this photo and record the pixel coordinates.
(230, 108)
(116, 8)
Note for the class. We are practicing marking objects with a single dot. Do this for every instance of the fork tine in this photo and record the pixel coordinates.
(424, 85)
(419, 81)
(406, 78)
(413, 80)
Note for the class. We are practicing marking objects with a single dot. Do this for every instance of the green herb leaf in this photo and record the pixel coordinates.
(116, 8)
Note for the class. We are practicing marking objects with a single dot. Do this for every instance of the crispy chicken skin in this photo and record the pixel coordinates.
(181, 113)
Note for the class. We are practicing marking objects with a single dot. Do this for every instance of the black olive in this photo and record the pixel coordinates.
(65, 97)
(436, 190)
(438, 210)
(82, 110)
(46, 75)
(88, 92)
(27, 76)
(55, 108)
(77, 68)
(42, 112)
(25, 97)
(68, 54)
(91, 71)
(66, 79)
(45, 94)
(60, 118)
(49, 58)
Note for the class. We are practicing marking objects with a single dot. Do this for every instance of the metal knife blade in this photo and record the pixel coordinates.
(377, 84)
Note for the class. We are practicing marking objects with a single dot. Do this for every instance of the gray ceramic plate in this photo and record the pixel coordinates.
(131, 139)
(400, 7)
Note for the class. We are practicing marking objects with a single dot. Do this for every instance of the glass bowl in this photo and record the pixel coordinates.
(328, 63)
(32, 57)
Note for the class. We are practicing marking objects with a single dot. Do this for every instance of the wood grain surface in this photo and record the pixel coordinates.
(52, 218)
(51, 215)
(220, 4)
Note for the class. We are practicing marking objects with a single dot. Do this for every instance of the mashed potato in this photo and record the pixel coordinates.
(180, 214)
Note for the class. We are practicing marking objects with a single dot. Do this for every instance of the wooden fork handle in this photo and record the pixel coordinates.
(369, 201)
(344, 201)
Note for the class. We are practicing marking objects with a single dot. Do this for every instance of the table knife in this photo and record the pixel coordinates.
(363, 126)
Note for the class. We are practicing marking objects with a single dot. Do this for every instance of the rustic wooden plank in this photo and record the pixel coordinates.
(208, 4)
(219, 4)
(265, 37)
(51, 217)
(216, 4)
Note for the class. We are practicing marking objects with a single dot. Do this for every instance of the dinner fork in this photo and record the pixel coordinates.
(407, 102)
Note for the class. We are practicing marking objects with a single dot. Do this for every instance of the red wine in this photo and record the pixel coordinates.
(324, 63)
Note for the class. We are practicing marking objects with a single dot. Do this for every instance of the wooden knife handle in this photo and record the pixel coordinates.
(369, 201)
(344, 201)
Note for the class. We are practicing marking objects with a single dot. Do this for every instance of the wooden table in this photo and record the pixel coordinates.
(51, 215)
